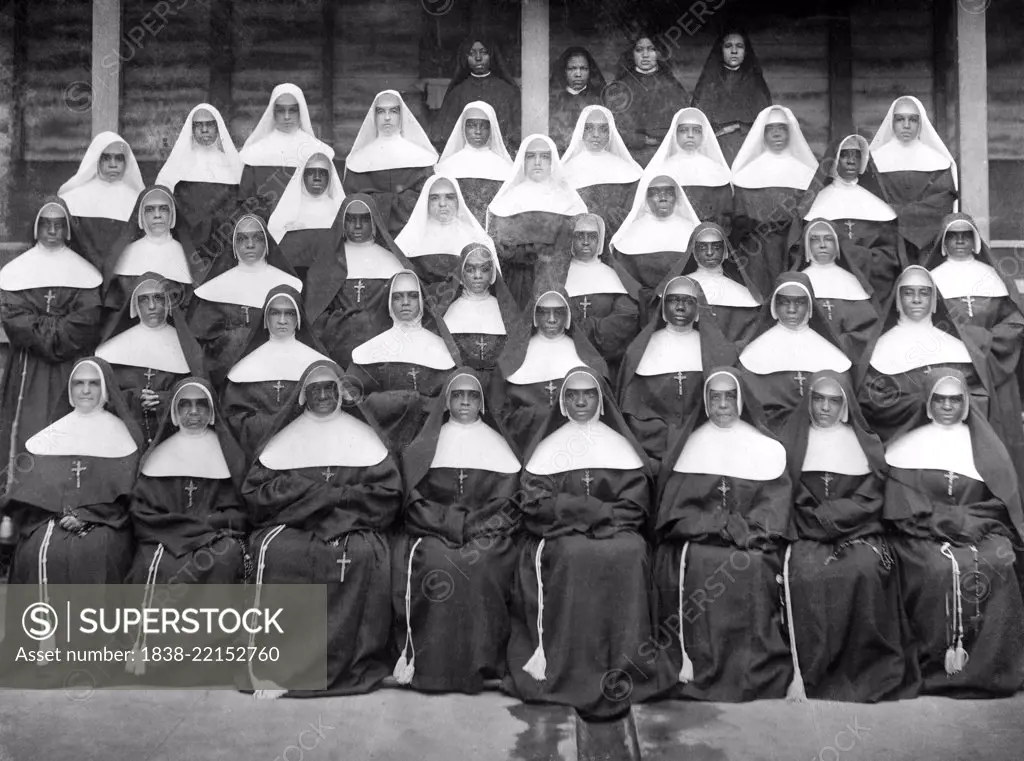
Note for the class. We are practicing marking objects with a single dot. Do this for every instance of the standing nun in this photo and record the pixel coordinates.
(282, 141)
(390, 159)
(101, 196)
(461, 511)
(576, 82)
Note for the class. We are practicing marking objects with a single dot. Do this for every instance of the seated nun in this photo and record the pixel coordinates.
(529, 219)
(462, 511)
(954, 501)
(72, 504)
(343, 284)
(404, 366)
(481, 313)
(691, 156)
(441, 225)
(101, 196)
(795, 342)
(598, 165)
(732, 298)
(984, 301)
(475, 156)
(656, 233)
(390, 159)
(662, 379)
(868, 235)
(230, 301)
(916, 336)
(303, 222)
(281, 142)
(321, 495)
(848, 633)
(189, 518)
(724, 499)
(152, 242)
(840, 289)
(186, 499)
(50, 313)
(275, 356)
(544, 345)
(580, 602)
(917, 173)
(773, 169)
(603, 298)
(150, 348)
(203, 171)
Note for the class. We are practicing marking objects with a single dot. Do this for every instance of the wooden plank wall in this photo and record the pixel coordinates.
(1005, 28)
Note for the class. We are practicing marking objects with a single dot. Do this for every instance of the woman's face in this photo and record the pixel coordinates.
(52, 229)
(825, 408)
(947, 409)
(824, 247)
(464, 404)
(477, 273)
(113, 163)
(906, 122)
(916, 301)
(250, 242)
(596, 133)
(193, 408)
(645, 55)
(156, 215)
(537, 161)
(86, 388)
(776, 137)
(152, 308)
(478, 132)
(316, 177)
(479, 59)
(689, 136)
(406, 305)
(358, 226)
(286, 113)
(282, 317)
(723, 407)
(792, 306)
(709, 253)
(551, 321)
(849, 164)
(582, 404)
(442, 202)
(322, 398)
(680, 309)
(661, 200)
(734, 50)
(959, 244)
(577, 72)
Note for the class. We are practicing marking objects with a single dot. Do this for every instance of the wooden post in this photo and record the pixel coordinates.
(106, 65)
(942, 64)
(972, 86)
(222, 58)
(327, 74)
(840, 73)
(536, 42)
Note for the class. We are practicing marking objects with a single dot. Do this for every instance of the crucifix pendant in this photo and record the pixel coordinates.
(724, 489)
(190, 489)
(849, 229)
(358, 288)
(344, 562)
(950, 478)
(826, 479)
(800, 378)
(277, 387)
(462, 477)
(328, 474)
(482, 345)
(969, 301)
(245, 312)
(680, 377)
(586, 304)
(587, 481)
(827, 306)
(412, 374)
(77, 470)
(551, 388)
(50, 296)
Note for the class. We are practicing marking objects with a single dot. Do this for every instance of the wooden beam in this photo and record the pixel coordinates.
(536, 33)
(840, 73)
(327, 73)
(942, 64)
(106, 66)
(19, 64)
(222, 57)
(972, 107)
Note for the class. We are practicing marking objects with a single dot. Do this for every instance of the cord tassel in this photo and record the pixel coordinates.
(406, 669)
(956, 654)
(49, 644)
(263, 690)
(538, 663)
(137, 665)
(686, 672)
(796, 692)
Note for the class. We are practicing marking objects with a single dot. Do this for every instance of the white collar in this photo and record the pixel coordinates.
(603, 168)
(96, 434)
(968, 277)
(188, 162)
(581, 446)
(164, 256)
(280, 149)
(44, 268)
(848, 200)
(835, 450)
(780, 349)
(649, 234)
(537, 196)
(414, 345)
(423, 236)
(101, 199)
(915, 156)
(935, 447)
(696, 170)
(187, 455)
(246, 286)
(830, 281)
(546, 359)
(475, 446)
(298, 210)
(910, 345)
(470, 315)
(722, 291)
(341, 441)
(142, 346)
(671, 352)
(774, 170)
(392, 152)
(740, 451)
(475, 164)
(276, 359)
(585, 278)
(370, 261)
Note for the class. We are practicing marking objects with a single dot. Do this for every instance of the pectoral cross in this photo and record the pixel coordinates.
(587, 481)
(358, 288)
(827, 306)
(245, 311)
(680, 377)
(927, 370)
(969, 301)
(149, 377)
(849, 229)
(190, 489)
(723, 487)
(826, 479)
(950, 478)
(462, 477)
(482, 344)
(328, 474)
(412, 374)
(586, 304)
(551, 387)
(77, 470)
(344, 563)
(50, 296)
(800, 378)
(277, 387)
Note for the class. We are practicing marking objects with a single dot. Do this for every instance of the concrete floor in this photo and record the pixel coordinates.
(399, 725)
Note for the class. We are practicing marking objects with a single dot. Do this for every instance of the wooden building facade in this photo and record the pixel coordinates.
(76, 67)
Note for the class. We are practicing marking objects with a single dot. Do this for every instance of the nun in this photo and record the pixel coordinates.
(390, 159)
(576, 82)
